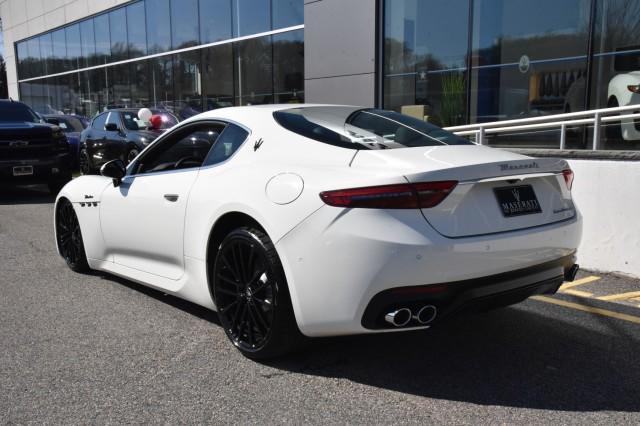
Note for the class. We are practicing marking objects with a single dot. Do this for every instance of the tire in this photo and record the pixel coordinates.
(85, 163)
(131, 154)
(252, 296)
(69, 237)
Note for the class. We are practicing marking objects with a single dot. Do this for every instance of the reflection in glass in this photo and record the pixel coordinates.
(59, 51)
(251, 17)
(103, 39)
(140, 85)
(119, 86)
(158, 26)
(136, 30)
(253, 63)
(88, 46)
(33, 59)
(217, 76)
(424, 61)
(215, 20)
(184, 23)
(161, 70)
(288, 67)
(23, 60)
(118, 30)
(287, 13)
(188, 86)
(616, 68)
(74, 49)
(46, 53)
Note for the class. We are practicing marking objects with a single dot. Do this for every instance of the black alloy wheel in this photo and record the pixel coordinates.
(252, 297)
(131, 155)
(85, 164)
(69, 237)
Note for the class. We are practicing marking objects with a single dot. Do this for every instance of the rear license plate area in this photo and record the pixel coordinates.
(23, 170)
(517, 200)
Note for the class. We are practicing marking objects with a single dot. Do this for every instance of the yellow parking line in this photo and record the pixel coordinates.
(577, 293)
(581, 281)
(589, 309)
(620, 296)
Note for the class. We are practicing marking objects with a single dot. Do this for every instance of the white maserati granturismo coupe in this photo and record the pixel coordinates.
(320, 220)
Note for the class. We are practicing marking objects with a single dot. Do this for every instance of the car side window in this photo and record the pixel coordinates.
(112, 117)
(227, 144)
(100, 121)
(184, 149)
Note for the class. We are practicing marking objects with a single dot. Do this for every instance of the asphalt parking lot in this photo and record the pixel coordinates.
(98, 349)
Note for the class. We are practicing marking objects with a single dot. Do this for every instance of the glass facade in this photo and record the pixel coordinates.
(101, 62)
(467, 61)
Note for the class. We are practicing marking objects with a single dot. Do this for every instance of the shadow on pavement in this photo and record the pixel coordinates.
(32, 194)
(514, 357)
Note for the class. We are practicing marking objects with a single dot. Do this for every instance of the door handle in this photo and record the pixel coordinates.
(171, 197)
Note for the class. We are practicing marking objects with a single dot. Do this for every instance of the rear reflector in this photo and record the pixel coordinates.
(400, 196)
(568, 177)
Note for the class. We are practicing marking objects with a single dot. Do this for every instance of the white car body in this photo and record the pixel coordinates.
(617, 89)
(336, 260)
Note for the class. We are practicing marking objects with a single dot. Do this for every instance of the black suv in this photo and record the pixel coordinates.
(32, 151)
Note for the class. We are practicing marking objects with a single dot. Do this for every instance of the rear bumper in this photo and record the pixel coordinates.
(337, 261)
(54, 168)
(469, 295)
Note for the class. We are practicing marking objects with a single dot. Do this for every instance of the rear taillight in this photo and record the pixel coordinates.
(400, 196)
(634, 88)
(568, 178)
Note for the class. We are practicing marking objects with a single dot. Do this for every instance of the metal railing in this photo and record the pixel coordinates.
(595, 117)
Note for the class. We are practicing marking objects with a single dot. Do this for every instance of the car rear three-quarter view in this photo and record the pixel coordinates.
(323, 220)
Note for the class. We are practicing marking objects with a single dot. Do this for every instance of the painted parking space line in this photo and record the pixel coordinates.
(589, 309)
(581, 281)
(577, 293)
(620, 296)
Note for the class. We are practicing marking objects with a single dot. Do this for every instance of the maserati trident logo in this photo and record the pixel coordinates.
(516, 194)
(16, 144)
(258, 144)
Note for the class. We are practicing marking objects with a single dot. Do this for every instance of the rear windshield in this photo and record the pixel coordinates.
(13, 112)
(357, 128)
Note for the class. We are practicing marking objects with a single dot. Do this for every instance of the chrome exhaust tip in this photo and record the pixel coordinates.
(398, 318)
(426, 314)
(570, 274)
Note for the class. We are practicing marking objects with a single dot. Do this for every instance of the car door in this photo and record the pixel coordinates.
(143, 218)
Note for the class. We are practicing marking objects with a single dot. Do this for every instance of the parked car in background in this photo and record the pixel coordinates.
(32, 151)
(624, 89)
(119, 133)
(72, 125)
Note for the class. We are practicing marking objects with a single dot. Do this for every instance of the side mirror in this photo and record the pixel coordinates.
(111, 127)
(113, 169)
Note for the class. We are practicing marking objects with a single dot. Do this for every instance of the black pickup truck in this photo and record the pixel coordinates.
(32, 151)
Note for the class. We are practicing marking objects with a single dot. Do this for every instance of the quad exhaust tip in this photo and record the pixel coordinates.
(402, 316)
(426, 314)
(399, 318)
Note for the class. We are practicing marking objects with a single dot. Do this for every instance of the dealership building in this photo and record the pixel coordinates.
(451, 62)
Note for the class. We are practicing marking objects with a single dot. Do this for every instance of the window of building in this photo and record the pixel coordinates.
(217, 76)
(288, 67)
(161, 70)
(215, 20)
(136, 30)
(74, 48)
(616, 68)
(185, 30)
(46, 53)
(103, 39)
(158, 26)
(287, 13)
(88, 45)
(59, 51)
(140, 84)
(118, 30)
(119, 86)
(251, 17)
(34, 59)
(188, 84)
(253, 62)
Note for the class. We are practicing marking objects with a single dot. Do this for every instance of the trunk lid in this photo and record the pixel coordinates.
(493, 194)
